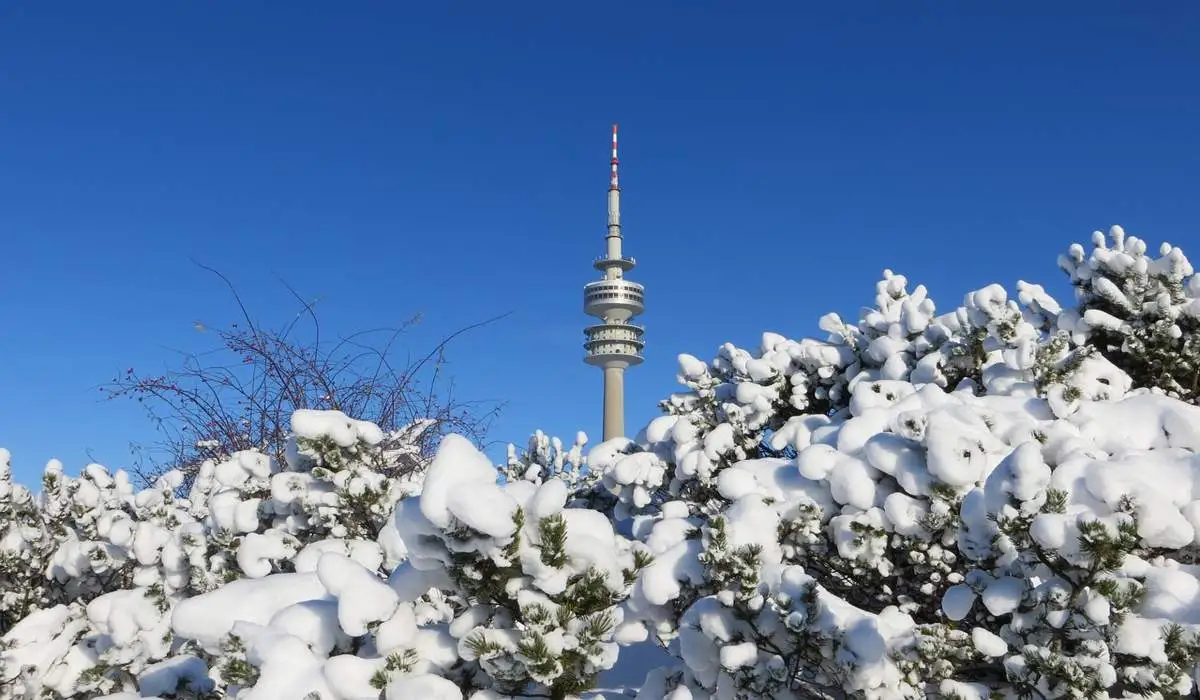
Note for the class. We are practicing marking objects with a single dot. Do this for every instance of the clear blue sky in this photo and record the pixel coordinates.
(451, 159)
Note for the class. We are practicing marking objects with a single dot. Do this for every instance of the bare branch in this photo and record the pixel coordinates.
(241, 394)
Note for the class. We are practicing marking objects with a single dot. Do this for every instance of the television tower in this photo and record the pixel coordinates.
(614, 343)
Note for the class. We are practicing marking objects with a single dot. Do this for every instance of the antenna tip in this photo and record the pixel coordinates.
(613, 178)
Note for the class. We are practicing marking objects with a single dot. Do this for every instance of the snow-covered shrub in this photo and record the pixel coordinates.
(502, 589)
(546, 457)
(745, 404)
(113, 562)
(536, 584)
(1000, 546)
(949, 505)
(24, 549)
(270, 581)
(1139, 311)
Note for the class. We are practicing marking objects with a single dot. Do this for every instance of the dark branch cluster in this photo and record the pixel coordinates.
(241, 394)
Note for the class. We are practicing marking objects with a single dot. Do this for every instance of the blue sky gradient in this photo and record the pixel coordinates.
(451, 159)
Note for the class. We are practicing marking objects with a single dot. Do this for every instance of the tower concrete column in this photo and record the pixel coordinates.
(614, 402)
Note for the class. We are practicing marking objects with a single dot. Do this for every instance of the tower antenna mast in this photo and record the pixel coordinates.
(613, 184)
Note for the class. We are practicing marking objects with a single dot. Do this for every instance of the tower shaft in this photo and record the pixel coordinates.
(614, 402)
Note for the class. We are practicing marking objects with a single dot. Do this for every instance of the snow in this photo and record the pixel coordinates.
(313, 621)
(363, 598)
(933, 521)
(209, 617)
(457, 464)
(487, 508)
(258, 551)
(987, 643)
(335, 425)
(398, 631)
(287, 667)
(425, 686)
(184, 671)
(675, 563)
(369, 554)
(1003, 595)
(38, 639)
(736, 656)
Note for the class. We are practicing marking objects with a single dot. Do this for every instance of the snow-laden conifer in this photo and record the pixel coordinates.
(962, 504)
(108, 564)
(538, 584)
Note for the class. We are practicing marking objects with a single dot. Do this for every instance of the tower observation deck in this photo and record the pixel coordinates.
(614, 343)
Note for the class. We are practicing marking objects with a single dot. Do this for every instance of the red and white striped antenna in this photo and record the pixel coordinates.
(612, 184)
